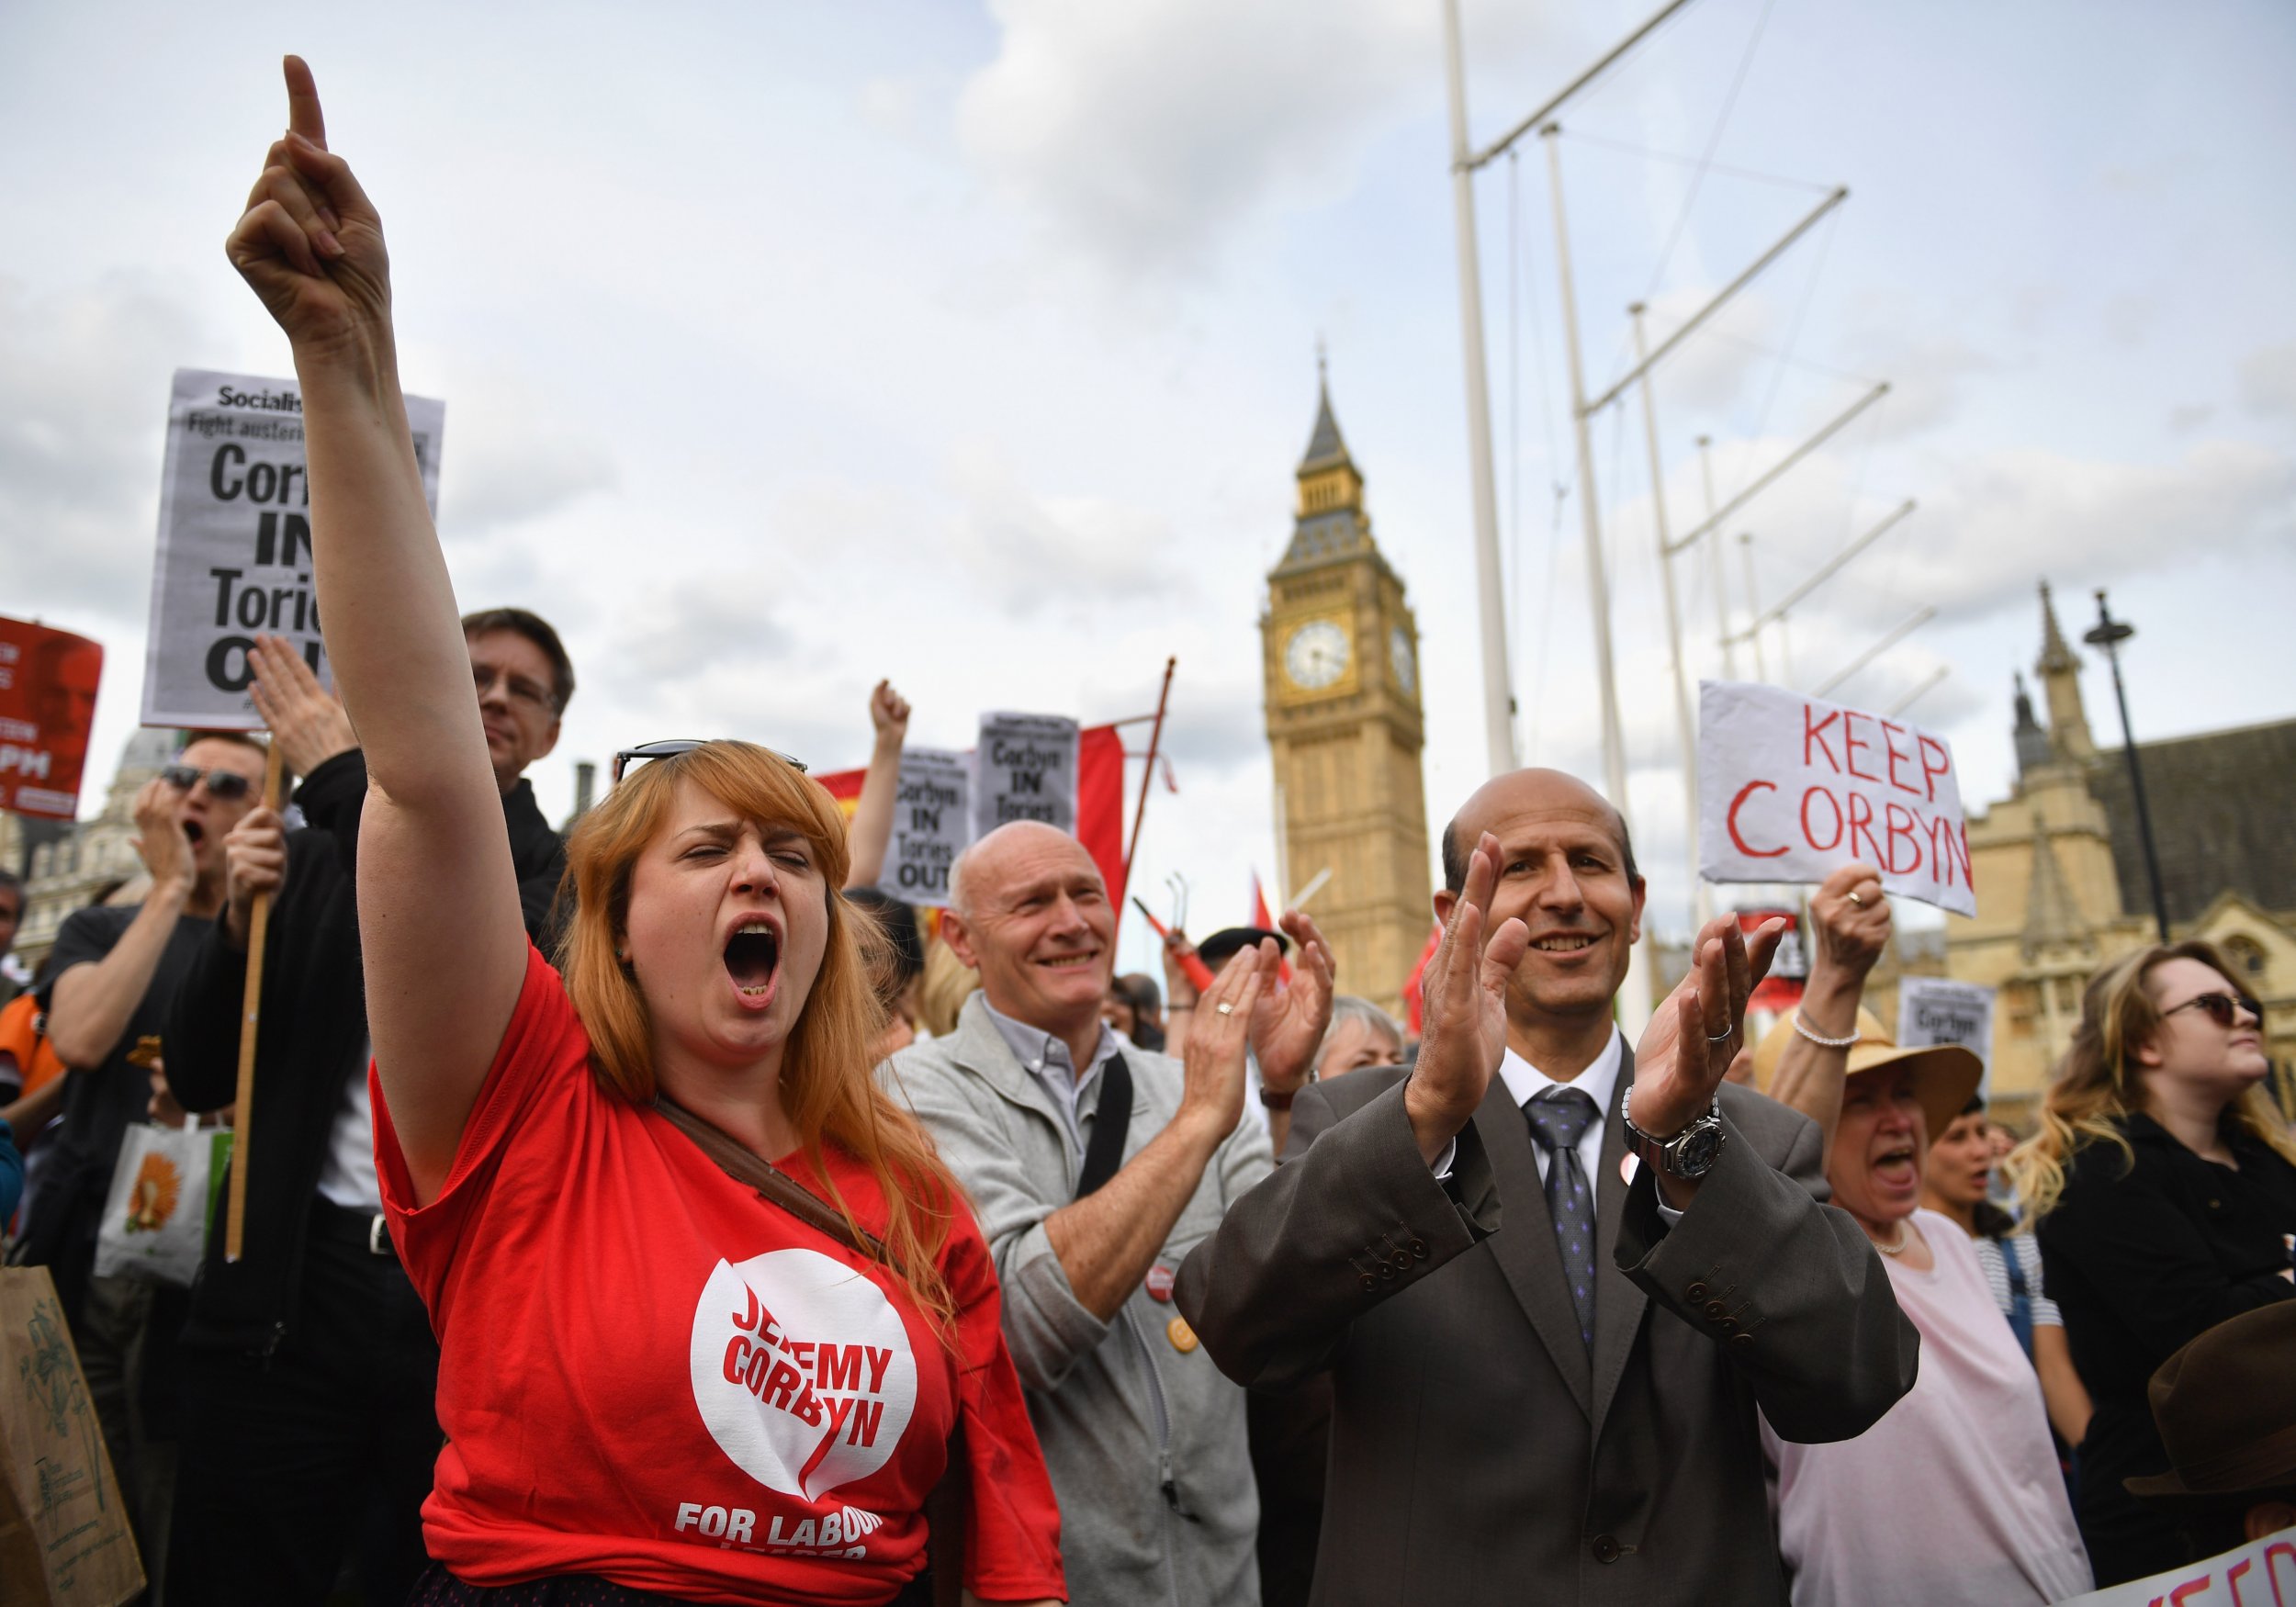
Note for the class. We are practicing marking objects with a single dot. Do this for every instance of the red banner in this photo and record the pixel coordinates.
(1099, 800)
(48, 681)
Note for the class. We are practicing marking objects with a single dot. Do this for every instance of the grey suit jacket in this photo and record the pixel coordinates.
(1145, 1441)
(1478, 1453)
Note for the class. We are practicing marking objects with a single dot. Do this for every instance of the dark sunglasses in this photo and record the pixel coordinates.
(676, 746)
(224, 785)
(2222, 1009)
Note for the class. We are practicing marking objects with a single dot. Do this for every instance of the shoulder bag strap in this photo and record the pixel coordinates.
(777, 1186)
(1111, 1119)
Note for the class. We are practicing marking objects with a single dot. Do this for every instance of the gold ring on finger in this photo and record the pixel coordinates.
(1226, 1009)
(1857, 901)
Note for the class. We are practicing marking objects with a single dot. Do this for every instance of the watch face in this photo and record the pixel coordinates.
(1316, 655)
(1695, 1153)
(1399, 654)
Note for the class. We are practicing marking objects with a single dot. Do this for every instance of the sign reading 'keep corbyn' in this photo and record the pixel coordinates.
(1790, 788)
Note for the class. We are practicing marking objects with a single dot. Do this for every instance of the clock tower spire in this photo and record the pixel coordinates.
(1341, 651)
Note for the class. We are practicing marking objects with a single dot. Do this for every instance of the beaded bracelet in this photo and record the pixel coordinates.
(1821, 1041)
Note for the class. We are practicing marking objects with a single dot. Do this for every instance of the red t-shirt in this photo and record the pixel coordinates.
(649, 1373)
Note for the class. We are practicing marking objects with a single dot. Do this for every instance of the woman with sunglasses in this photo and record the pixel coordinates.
(667, 1372)
(2162, 1184)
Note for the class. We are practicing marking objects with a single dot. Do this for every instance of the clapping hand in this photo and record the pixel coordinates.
(1288, 1023)
(1464, 988)
(1699, 1028)
(306, 721)
(1211, 1091)
(310, 243)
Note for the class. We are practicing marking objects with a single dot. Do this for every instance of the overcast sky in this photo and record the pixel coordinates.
(788, 346)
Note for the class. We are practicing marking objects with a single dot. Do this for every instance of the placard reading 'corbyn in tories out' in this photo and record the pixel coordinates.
(1025, 769)
(931, 823)
(1791, 787)
(235, 543)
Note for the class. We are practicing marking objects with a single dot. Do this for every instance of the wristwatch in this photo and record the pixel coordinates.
(1274, 1101)
(1690, 1153)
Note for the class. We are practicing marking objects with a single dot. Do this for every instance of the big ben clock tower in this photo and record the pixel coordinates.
(1344, 726)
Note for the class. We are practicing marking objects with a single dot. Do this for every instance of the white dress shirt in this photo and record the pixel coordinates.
(1598, 1081)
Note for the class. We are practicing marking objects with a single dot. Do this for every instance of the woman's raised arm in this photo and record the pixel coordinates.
(445, 950)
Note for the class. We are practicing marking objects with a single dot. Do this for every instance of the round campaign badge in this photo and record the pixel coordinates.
(1160, 1282)
(1182, 1336)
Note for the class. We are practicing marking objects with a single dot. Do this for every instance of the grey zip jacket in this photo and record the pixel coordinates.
(1145, 1439)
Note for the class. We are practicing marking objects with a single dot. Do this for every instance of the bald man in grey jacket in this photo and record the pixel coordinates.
(1027, 1100)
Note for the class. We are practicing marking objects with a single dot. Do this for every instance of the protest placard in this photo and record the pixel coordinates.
(1024, 768)
(2266, 1568)
(931, 823)
(48, 681)
(1791, 787)
(234, 543)
(1936, 1009)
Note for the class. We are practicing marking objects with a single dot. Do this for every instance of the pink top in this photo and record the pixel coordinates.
(1955, 1497)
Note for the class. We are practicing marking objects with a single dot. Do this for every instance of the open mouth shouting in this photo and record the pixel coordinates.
(753, 957)
(1897, 1167)
(195, 833)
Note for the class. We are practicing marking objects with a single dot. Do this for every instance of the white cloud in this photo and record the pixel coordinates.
(1012, 539)
(84, 389)
(1145, 131)
(2267, 379)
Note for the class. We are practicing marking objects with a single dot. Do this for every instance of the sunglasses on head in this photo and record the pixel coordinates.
(676, 746)
(224, 785)
(2222, 1009)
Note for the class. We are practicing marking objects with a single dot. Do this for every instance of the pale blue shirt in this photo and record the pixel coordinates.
(1049, 1059)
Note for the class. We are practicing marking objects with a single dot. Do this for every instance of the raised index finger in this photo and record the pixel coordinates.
(304, 116)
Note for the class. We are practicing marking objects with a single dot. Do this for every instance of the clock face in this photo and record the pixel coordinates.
(1316, 656)
(1399, 654)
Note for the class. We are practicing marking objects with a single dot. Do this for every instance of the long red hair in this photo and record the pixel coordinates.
(828, 1088)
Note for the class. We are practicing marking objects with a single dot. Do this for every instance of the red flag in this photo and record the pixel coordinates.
(1267, 923)
(1414, 996)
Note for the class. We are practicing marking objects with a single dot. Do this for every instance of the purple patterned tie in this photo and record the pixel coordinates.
(1559, 1117)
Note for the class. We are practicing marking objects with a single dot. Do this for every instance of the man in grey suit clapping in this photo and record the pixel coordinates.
(1558, 1406)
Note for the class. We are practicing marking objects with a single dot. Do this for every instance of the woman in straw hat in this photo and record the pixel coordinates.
(1967, 1454)
(2162, 1184)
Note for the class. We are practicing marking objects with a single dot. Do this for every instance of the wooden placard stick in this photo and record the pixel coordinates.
(243, 1122)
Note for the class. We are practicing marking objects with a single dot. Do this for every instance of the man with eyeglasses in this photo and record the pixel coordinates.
(110, 976)
(309, 1369)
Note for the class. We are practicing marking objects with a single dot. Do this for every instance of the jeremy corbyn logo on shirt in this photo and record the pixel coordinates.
(802, 1371)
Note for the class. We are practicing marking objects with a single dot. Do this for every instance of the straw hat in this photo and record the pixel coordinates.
(2226, 1407)
(1945, 1075)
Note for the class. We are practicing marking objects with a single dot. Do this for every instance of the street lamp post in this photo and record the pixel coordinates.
(2109, 633)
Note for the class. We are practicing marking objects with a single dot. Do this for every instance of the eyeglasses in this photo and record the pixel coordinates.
(2222, 1009)
(675, 745)
(222, 785)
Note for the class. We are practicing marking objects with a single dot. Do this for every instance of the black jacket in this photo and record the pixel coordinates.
(313, 1039)
(2140, 1259)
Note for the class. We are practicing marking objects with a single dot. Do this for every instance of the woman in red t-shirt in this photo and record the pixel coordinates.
(655, 1383)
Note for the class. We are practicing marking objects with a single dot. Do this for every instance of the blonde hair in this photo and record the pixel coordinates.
(828, 1087)
(2100, 1083)
(947, 983)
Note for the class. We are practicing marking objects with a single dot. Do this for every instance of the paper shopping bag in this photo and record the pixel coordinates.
(64, 1533)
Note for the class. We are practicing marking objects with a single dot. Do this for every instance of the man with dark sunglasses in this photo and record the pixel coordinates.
(309, 1369)
(110, 977)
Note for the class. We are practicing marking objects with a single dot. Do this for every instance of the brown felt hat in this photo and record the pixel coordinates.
(2226, 1407)
(1945, 1075)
